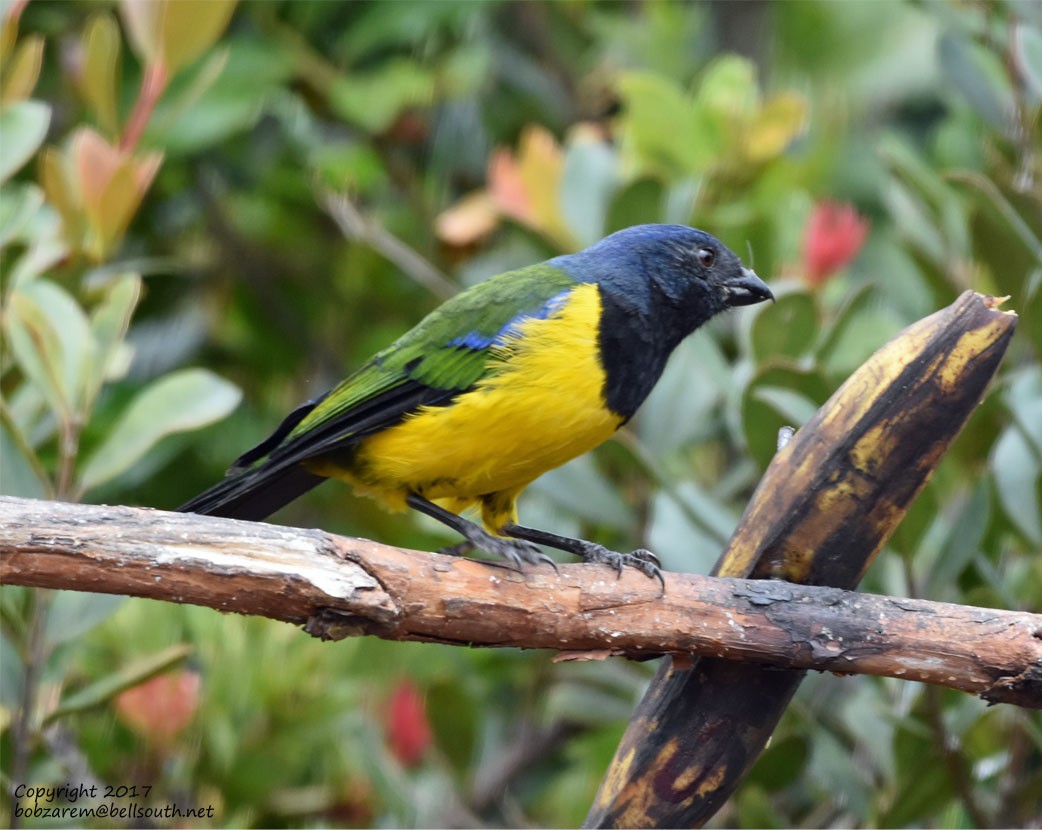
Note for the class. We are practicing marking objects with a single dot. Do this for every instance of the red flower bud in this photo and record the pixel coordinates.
(407, 730)
(834, 235)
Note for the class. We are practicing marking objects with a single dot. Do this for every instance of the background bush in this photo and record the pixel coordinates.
(212, 212)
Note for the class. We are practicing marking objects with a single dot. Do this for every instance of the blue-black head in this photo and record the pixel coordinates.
(658, 284)
(669, 271)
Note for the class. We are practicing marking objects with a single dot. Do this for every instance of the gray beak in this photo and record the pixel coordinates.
(746, 289)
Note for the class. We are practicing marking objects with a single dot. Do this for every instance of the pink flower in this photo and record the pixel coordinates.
(407, 730)
(834, 236)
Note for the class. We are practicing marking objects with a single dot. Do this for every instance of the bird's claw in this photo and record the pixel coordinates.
(515, 551)
(643, 560)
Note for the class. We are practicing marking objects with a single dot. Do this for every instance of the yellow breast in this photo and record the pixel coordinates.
(541, 406)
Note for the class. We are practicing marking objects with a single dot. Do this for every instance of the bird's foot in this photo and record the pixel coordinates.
(458, 549)
(517, 552)
(643, 560)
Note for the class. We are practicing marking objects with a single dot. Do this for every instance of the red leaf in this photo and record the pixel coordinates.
(160, 708)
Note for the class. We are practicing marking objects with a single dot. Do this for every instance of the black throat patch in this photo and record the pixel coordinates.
(634, 348)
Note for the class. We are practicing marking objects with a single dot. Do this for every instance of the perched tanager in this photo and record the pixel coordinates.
(501, 383)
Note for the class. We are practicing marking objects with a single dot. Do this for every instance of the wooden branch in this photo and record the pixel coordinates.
(340, 587)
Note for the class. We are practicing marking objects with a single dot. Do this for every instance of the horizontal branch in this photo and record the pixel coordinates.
(339, 587)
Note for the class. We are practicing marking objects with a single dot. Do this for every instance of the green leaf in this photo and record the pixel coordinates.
(782, 763)
(22, 70)
(728, 87)
(19, 204)
(109, 324)
(761, 420)
(640, 201)
(181, 401)
(193, 26)
(679, 409)
(373, 100)
(26, 407)
(786, 328)
(925, 206)
(773, 129)
(12, 669)
(46, 251)
(857, 339)
(23, 127)
(349, 166)
(797, 409)
(226, 93)
(50, 339)
(965, 536)
(688, 527)
(1017, 472)
(1028, 53)
(578, 487)
(107, 687)
(20, 471)
(925, 784)
(591, 177)
(453, 718)
(72, 614)
(1001, 204)
(101, 54)
(979, 76)
(755, 808)
(663, 126)
(853, 305)
(173, 33)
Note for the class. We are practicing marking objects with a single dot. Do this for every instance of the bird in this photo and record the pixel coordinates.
(504, 381)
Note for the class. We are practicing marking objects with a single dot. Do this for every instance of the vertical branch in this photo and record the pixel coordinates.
(34, 657)
(825, 507)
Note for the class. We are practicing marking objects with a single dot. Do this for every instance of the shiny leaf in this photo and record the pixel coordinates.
(23, 127)
(173, 33)
(181, 401)
(20, 75)
(50, 339)
(101, 62)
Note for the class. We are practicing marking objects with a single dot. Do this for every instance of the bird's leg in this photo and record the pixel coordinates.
(516, 551)
(643, 560)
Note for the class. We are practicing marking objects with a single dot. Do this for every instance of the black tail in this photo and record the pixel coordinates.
(254, 494)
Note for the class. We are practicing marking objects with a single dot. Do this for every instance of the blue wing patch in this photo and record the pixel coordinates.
(477, 341)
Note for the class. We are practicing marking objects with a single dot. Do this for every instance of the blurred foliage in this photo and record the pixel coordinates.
(275, 190)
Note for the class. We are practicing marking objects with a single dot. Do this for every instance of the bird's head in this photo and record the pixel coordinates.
(670, 267)
(674, 277)
(658, 283)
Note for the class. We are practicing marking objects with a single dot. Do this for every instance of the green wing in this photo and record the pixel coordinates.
(444, 355)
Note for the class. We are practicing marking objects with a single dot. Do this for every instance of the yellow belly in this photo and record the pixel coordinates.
(542, 407)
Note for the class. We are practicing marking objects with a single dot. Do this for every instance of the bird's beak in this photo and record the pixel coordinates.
(746, 289)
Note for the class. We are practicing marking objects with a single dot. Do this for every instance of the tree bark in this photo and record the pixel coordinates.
(339, 587)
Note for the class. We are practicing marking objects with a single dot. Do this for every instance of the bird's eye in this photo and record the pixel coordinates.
(706, 257)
